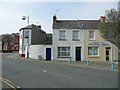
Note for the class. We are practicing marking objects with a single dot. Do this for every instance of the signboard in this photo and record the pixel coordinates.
(98, 43)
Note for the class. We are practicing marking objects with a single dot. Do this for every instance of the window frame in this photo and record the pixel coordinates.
(62, 36)
(74, 35)
(93, 51)
(26, 34)
(91, 35)
(63, 52)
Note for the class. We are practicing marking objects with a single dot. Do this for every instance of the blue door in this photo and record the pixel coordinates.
(78, 53)
(48, 54)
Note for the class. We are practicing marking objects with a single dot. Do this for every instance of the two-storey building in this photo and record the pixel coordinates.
(68, 40)
(81, 40)
(97, 48)
(30, 35)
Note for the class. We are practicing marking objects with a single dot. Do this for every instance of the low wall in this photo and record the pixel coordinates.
(35, 50)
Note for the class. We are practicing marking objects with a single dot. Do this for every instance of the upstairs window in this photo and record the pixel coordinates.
(91, 35)
(61, 34)
(26, 34)
(75, 35)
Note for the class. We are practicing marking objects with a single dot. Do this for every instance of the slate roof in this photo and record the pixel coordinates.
(75, 24)
(32, 26)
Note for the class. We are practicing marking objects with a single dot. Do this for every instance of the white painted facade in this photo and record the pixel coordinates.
(68, 43)
(35, 50)
(24, 41)
(0, 46)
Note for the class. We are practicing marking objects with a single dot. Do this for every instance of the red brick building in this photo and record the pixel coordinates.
(15, 46)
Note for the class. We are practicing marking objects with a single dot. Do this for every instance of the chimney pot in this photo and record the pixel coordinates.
(102, 18)
(54, 18)
(39, 26)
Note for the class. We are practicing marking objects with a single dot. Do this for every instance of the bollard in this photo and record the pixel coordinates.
(113, 66)
(88, 62)
(70, 60)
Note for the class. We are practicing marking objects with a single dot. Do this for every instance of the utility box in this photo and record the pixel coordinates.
(39, 57)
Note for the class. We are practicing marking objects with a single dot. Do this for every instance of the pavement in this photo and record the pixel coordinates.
(93, 64)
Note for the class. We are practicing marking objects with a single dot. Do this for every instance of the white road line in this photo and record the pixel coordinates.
(11, 56)
(44, 70)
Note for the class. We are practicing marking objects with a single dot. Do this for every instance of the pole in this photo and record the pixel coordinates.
(28, 20)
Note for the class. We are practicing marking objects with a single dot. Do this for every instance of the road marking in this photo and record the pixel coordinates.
(44, 70)
(8, 82)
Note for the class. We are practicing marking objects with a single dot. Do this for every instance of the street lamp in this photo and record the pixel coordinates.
(27, 45)
(26, 18)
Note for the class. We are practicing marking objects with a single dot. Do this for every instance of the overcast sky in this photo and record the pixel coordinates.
(42, 12)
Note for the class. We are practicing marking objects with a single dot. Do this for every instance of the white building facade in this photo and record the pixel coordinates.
(25, 40)
(35, 42)
(68, 41)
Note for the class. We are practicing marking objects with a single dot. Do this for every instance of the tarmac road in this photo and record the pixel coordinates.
(37, 74)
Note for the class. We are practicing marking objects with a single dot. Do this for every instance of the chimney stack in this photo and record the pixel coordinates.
(54, 18)
(102, 18)
(39, 26)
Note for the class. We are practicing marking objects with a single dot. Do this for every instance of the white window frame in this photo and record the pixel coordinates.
(63, 51)
(76, 35)
(93, 52)
(91, 37)
(26, 34)
(62, 34)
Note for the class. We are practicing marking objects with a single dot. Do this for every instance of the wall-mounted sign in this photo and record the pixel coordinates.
(98, 43)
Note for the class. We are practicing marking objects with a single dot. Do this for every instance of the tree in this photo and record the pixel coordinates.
(110, 29)
(7, 38)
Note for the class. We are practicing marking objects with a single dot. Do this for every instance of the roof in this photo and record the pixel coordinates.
(31, 27)
(75, 24)
(28, 27)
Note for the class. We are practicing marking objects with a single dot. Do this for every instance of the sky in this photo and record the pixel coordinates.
(41, 13)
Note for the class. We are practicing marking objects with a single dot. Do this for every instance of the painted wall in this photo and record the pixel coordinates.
(20, 42)
(0, 46)
(23, 40)
(101, 49)
(68, 43)
(35, 50)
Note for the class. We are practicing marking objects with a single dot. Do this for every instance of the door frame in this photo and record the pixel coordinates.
(107, 49)
(79, 49)
(47, 54)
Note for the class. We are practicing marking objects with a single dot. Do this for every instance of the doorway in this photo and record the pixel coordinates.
(78, 53)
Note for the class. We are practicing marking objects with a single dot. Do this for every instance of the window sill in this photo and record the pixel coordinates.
(64, 57)
(75, 39)
(92, 40)
(63, 39)
(95, 56)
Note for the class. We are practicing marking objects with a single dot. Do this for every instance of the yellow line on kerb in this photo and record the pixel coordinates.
(8, 82)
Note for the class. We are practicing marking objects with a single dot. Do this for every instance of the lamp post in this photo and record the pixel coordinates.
(26, 18)
(27, 45)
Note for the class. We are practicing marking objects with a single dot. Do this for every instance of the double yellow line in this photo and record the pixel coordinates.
(9, 83)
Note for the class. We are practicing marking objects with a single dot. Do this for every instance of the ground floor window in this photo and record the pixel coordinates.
(93, 51)
(63, 51)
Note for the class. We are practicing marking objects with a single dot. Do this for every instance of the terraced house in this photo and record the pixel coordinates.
(97, 48)
(80, 40)
(68, 40)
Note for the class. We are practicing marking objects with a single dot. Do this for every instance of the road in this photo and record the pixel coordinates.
(37, 74)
